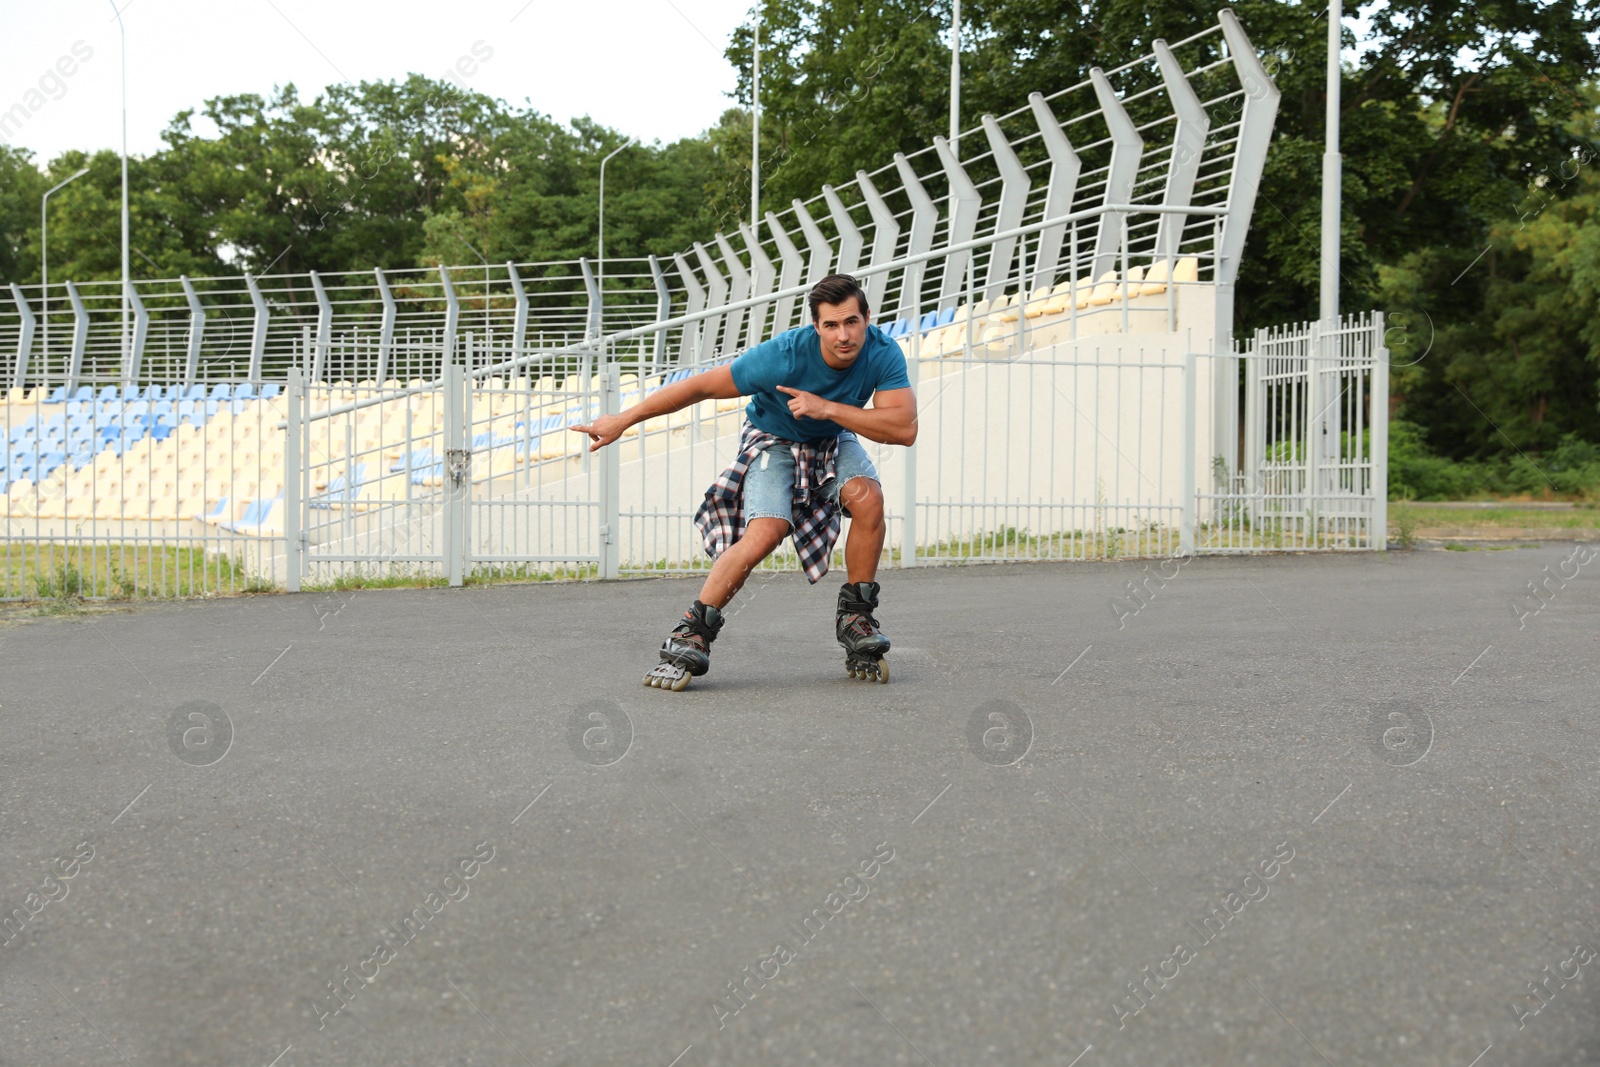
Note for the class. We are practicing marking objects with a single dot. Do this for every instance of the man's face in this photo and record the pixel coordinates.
(842, 329)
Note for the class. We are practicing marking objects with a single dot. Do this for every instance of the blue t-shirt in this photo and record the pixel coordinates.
(794, 358)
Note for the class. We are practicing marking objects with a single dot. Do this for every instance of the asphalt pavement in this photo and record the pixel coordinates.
(1272, 810)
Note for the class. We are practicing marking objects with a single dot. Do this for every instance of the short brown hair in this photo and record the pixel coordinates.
(836, 289)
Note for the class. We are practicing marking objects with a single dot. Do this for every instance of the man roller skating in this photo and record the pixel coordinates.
(799, 465)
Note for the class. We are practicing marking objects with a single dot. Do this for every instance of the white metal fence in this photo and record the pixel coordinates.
(1063, 298)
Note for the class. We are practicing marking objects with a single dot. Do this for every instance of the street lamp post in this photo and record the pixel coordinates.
(955, 80)
(44, 265)
(126, 340)
(755, 130)
(601, 239)
(1332, 172)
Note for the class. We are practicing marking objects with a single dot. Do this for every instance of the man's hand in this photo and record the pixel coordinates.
(805, 405)
(603, 431)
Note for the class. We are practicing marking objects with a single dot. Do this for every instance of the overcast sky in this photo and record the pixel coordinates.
(650, 68)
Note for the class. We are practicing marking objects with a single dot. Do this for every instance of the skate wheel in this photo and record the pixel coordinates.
(883, 672)
(680, 684)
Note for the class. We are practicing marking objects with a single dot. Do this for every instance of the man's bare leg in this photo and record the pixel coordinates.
(731, 569)
(864, 545)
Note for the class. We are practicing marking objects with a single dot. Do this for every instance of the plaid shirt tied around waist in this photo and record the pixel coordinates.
(813, 519)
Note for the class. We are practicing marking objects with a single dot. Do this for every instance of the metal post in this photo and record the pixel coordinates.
(1378, 423)
(610, 478)
(141, 332)
(122, 31)
(755, 129)
(258, 331)
(908, 499)
(955, 79)
(80, 337)
(197, 329)
(24, 336)
(885, 233)
(1064, 168)
(385, 326)
(1312, 421)
(593, 324)
(519, 325)
(1332, 168)
(293, 521)
(1186, 529)
(452, 319)
(319, 358)
(458, 473)
(663, 312)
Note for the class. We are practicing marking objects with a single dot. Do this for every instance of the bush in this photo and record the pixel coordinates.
(1416, 472)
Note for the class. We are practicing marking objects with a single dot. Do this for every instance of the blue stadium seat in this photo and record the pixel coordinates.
(256, 514)
(269, 391)
(108, 392)
(220, 391)
(58, 395)
(196, 391)
(245, 391)
(85, 392)
(341, 490)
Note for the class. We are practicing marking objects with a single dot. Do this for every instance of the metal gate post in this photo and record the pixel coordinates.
(1186, 531)
(1378, 426)
(908, 504)
(457, 474)
(1311, 426)
(610, 478)
(293, 520)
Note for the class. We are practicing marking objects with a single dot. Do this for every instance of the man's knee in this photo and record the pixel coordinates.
(863, 498)
(767, 533)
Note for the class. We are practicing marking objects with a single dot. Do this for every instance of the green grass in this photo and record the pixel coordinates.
(1506, 515)
(62, 574)
(483, 574)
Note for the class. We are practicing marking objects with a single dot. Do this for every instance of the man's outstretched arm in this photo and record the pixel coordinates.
(714, 384)
(891, 420)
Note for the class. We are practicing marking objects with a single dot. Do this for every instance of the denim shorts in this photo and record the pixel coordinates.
(769, 483)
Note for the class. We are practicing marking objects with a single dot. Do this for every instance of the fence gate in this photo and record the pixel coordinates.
(472, 477)
(1314, 467)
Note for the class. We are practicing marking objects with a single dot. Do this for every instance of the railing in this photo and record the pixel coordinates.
(1214, 110)
(1063, 263)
